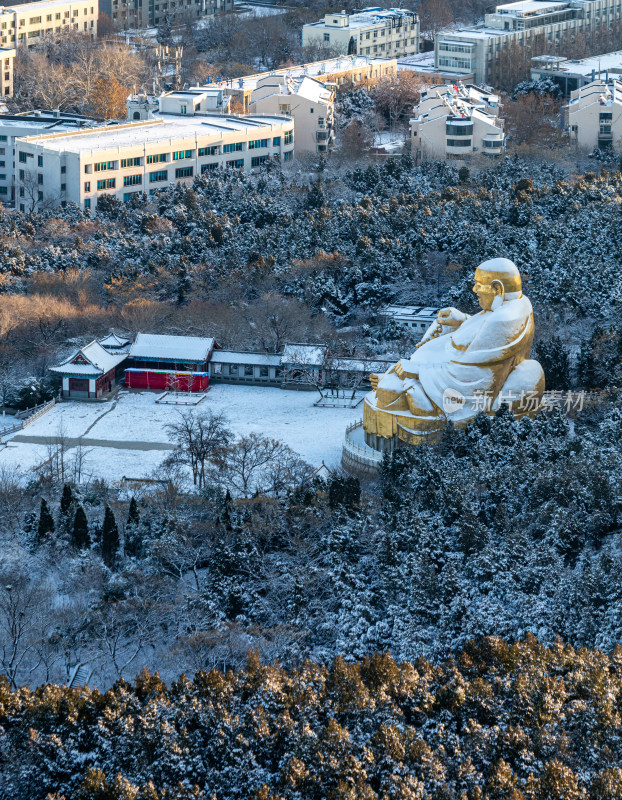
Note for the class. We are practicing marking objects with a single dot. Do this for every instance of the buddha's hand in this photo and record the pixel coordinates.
(399, 371)
(373, 379)
(451, 317)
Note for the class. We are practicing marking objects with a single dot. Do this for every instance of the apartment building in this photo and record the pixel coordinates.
(476, 50)
(7, 58)
(572, 74)
(595, 116)
(307, 101)
(27, 24)
(30, 123)
(388, 33)
(456, 121)
(341, 71)
(150, 13)
(145, 156)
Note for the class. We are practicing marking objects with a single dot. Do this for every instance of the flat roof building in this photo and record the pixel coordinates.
(386, 33)
(123, 160)
(28, 24)
(595, 116)
(572, 74)
(477, 49)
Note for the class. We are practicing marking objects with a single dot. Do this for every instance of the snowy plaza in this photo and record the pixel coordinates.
(127, 437)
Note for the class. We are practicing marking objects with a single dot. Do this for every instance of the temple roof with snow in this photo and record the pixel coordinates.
(89, 361)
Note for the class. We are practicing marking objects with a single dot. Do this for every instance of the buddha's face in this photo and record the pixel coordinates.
(486, 289)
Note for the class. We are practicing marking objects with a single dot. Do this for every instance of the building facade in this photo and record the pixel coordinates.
(126, 14)
(477, 49)
(177, 363)
(91, 372)
(416, 318)
(308, 102)
(595, 116)
(124, 160)
(7, 59)
(388, 33)
(28, 24)
(455, 121)
(29, 123)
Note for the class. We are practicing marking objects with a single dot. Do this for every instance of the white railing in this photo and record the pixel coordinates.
(363, 455)
(32, 414)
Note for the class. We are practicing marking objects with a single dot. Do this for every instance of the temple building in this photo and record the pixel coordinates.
(178, 363)
(91, 372)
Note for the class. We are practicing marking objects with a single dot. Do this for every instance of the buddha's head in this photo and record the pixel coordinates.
(497, 278)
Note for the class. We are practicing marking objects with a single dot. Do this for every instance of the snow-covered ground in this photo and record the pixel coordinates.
(135, 418)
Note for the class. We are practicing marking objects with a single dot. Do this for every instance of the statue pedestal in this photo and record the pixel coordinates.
(356, 456)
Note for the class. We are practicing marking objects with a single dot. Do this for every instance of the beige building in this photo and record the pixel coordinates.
(29, 23)
(595, 116)
(341, 71)
(388, 33)
(148, 14)
(7, 57)
(307, 101)
(123, 160)
(196, 101)
(476, 50)
(455, 122)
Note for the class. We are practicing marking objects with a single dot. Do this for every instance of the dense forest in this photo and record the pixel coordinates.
(494, 722)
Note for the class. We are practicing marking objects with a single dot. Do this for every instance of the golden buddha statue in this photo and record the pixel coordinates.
(463, 364)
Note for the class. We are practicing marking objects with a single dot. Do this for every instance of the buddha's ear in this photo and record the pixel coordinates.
(497, 288)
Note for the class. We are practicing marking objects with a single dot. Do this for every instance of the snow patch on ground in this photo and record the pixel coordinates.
(289, 416)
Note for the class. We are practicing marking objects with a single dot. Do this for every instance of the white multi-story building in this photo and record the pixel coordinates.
(388, 33)
(149, 13)
(455, 122)
(595, 116)
(307, 101)
(477, 49)
(196, 101)
(416, 318)
(29, 23)
(123, 160)
(7, 58)
(30, 123)
(571, 74)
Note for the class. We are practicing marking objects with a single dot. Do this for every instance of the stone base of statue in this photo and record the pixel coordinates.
(463, 365)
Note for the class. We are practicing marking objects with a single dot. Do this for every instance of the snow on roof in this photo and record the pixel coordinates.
(171, 348)
(409, 311)
(312, 355)
(158, 131)
(531, 7)
(368, 16)
(113, 342)
(99, 361)
(237, 357)
(599, 65)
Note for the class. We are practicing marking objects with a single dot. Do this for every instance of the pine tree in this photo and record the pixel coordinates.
(80, 538)
(66, 500)
(133, 517)
(110, 539)
(133, 537)
(46, 522)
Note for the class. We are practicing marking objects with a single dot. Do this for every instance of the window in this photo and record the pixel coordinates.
(103, 165)
(130, 162)
(39, 195)
(87, 186)
(23, 157)
(459, 142)
(238, 163)
(605, 128)
(4, 189)
(40, 179)
(493, 143)
(107, 183)
(289, 137)
(39, 161)
(22, 192)
(63, 170)
(233, 369)
(3, 138)
(160, 175)
(63, 187)
(2, 163)
(459, 130)
(256, 143)
(2, 176)
(276, 142)
(209, 151)
(248, 371)
(21, 174)
(127, 196)
(132, 180)
(184, 172)
(327, 37)
(257, 161)
(263, 372)
(208, 168)
(183, 109)
(234, 147)
(156, 159)
(178, 155)
(288, 156)
(34, 20)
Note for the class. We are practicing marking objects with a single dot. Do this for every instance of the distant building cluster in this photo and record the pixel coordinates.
(571, 74)
(455, 121)
(139, 14)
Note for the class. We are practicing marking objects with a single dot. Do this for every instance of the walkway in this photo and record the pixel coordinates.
(80, 441)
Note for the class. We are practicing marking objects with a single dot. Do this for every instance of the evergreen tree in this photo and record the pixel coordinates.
(46, 522)
(133, 537)
(555, 362)
(133, 517)
(66, 500)
(80, 538)
(110, 539)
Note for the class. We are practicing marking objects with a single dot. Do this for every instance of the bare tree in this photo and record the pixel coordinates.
(254, 463)
(201, 438)
(21, 600)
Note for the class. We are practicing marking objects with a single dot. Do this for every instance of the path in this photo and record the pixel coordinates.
(80, 441)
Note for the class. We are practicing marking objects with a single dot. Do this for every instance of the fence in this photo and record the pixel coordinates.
(32, 414)
(355, 456)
